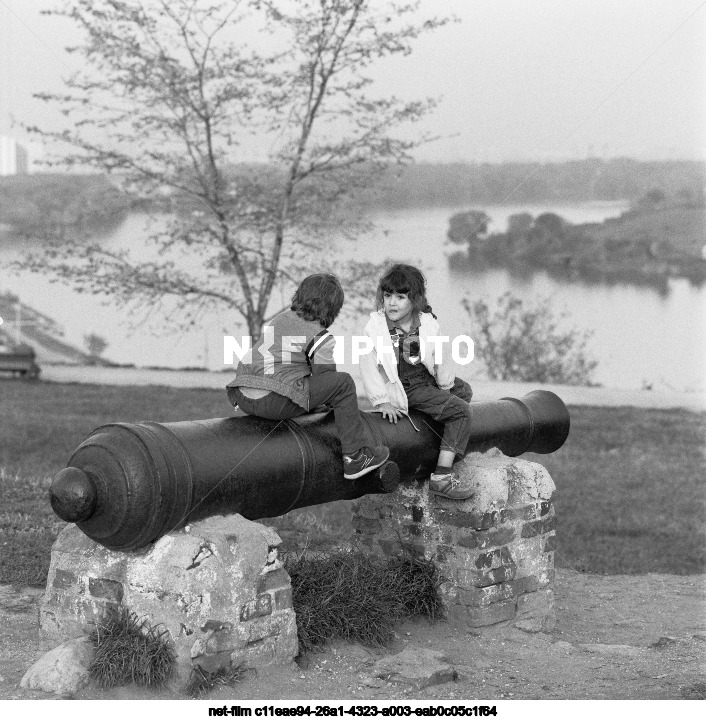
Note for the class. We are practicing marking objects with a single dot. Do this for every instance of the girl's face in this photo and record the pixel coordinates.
(398, 307)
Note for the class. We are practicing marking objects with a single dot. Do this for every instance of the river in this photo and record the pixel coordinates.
(641, 336)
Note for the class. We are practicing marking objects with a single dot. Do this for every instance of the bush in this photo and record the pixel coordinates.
(352, 596)
(131, 651)
(524, 343)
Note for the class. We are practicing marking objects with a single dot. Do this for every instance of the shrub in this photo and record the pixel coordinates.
(129, 650)
(352, 596)
(524, 343)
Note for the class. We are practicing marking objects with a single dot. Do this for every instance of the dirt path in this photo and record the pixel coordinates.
(617, 637)
(483, 390)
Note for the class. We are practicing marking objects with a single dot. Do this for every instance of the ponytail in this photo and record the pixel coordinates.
(427, 309)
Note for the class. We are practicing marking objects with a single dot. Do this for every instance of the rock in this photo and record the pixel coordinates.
(415, 666)
(370, 681)
(529, 625)
(63, 670)
(663, 641)
(564, 646)
(303, 661)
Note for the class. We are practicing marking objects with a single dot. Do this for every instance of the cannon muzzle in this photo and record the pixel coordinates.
(128, 484)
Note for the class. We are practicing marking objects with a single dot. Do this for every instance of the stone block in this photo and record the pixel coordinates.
(494, 613)
(485, 596)
(64, 579)
(527, 553)
(496, 575)
(490, 559)
(106, 588)
(283, 598)
(260, 606)
(487, 539)
(536, 604)
(275, 579)
(512, 514)
(528, 584)
(472, 519)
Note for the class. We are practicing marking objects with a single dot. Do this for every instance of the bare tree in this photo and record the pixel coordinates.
(171, 92)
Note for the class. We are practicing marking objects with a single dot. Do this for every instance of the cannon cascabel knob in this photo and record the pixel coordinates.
(73, 495)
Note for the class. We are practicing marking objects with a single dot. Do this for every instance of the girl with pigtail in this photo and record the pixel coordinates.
(407, 371)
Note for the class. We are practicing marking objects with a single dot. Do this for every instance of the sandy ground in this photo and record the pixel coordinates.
(617, 637)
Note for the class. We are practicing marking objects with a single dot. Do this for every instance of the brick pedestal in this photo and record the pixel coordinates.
(219, 590)
(494, 551)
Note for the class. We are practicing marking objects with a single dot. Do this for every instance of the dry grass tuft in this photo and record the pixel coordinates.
(351, 596)
(129, 650)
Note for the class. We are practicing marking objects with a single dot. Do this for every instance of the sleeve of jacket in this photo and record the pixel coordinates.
(445, 371)
(373, 383)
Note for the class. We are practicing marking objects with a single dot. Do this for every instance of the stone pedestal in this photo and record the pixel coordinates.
(219, 590)
(494, 551)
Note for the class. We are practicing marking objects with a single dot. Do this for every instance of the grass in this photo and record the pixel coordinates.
(630, 482)
(129, 650)
(352, 596)
(630, 492)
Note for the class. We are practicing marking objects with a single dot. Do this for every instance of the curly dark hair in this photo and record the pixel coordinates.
(318, 297)
(407, 279)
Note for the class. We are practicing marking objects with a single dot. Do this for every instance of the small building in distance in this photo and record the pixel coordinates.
(14, 159)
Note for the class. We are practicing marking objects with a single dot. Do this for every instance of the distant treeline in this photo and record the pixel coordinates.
(55, 205)
(47, 204)
(424, 184)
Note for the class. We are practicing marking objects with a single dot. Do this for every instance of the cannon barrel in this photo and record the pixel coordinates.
(128, 484)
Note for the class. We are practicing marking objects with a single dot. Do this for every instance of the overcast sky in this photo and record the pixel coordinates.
(520, 79)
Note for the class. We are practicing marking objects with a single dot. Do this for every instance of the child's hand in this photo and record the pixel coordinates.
(390, 412)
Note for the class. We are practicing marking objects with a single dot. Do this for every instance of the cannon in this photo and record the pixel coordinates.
(128, 484)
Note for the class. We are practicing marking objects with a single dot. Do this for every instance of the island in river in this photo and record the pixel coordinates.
(657, 239)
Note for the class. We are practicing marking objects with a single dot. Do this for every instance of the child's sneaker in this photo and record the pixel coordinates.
(363, 461)
(449, 485)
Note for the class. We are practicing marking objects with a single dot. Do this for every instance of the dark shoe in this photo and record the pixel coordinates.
(363, 461)
(449, 485)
